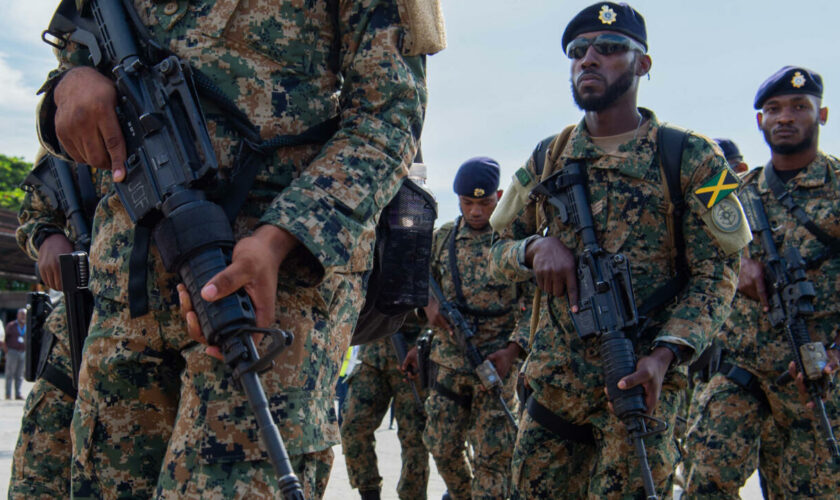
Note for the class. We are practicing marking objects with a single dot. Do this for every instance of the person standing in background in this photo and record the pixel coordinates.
(13, 349)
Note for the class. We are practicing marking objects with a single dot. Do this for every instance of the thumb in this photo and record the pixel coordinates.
(229, 280)
(632, 380)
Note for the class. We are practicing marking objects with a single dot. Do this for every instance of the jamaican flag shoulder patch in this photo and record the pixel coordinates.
(716, 188)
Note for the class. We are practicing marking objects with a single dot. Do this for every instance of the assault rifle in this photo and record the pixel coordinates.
(791, 302)
(401, 350)
(170, 160)
(484, 369)
(607, 308)
(53, 178)
(37, 342)
(78, 301)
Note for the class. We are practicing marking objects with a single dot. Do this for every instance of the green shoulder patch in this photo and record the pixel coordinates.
(523, 176)
(717, 188)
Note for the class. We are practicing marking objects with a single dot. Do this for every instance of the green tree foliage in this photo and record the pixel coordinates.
(12, 172)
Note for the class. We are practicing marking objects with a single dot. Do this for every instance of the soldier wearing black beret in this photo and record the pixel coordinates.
(571, 442)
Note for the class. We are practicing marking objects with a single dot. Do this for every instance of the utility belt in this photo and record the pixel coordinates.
(744, 379)
(464, 401)
(560, 427)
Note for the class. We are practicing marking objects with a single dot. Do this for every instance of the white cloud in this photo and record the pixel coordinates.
(17, 95)
(26, 20)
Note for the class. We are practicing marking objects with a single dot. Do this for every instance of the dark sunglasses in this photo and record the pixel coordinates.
(606, 44)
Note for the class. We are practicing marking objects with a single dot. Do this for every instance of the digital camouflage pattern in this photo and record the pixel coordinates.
(42, 456)
(483, 423)
(486, 473)
(725, 450)
(288, 66)
(481, 290)
(371, 386)
(629, 211)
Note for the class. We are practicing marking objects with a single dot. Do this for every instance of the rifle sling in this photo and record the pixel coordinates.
(460, 300)
(59, 379)
(560, 427)
(464, 402)
(744, 379)
(784, 197)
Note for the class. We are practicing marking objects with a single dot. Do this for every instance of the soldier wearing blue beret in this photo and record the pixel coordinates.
(733, 155)
(744, 418)
(458, 409)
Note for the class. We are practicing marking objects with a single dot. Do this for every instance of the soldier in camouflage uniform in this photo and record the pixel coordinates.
(371, 386)
(42, 457)
(458, 409)
(304, 237)
(570, 444)
(742, 419)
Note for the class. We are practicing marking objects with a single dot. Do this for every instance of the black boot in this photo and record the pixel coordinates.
(370, 494)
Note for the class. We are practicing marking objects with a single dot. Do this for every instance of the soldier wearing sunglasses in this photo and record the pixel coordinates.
(570, 442)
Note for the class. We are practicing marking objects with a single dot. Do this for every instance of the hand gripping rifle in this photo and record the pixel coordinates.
(791, 302)
(607, 308)
(170, 159)
(401, 350)
(484, 369)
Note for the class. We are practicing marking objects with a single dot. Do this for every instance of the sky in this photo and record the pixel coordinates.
(502, 83)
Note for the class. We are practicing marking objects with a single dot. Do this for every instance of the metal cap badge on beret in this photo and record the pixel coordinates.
(789, 80)
(730, 149)
(607, 16)
(477, 177)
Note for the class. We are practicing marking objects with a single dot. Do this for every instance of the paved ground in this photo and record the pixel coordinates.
(387, 449)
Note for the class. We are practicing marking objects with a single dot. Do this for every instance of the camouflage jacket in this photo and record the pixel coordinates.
(288, 66)
(630, 212)
(748, 338)
(482, 291)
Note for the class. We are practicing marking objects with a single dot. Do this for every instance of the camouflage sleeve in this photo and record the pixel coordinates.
(36, 215)
(360, 169)
(521, 334)
(508, 251)
(70, 56)
(705, 301)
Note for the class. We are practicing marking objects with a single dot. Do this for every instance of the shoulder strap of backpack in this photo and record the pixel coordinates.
(671, 142)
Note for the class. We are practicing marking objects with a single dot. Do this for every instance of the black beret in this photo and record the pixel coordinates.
(789, 80)
(477, 177)
(730, 149)
(607, 16)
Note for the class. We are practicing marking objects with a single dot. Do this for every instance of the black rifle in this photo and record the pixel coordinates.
(37, 342)
(484, 369)
(424, 368)
(607, 308)
(78, 301)
(401, 350)
(53, 178)
(170, 160)
(791, 302)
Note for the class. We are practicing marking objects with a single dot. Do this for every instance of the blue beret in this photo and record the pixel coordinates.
(477, 177)
(789, 80)
(730, 149)
(607, 16)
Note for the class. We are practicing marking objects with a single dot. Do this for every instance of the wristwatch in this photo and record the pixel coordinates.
(43, 234)
(674, 348)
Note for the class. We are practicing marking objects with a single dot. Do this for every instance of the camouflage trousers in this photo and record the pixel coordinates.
(479, 420)
(41, 461)
(733, 432)
(156, 416)
(368, 396)
(546, 466)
